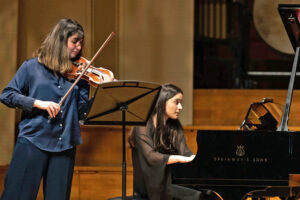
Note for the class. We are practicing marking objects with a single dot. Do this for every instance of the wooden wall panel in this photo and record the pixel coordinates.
(229, 107)
(156, 44)
(97, 183)
(8, 62)
(104, 21)
(91, 183)
(3, 170)
(37, 17)
(102, 146)
(101, 183)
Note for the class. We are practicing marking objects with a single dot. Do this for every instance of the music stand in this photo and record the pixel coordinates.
(122, 103)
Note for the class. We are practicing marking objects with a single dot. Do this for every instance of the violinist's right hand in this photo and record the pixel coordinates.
(51, 107)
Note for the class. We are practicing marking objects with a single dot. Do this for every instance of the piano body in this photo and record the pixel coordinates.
(233, 163)
(259, 163)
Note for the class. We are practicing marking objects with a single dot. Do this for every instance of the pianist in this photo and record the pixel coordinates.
(158, 145)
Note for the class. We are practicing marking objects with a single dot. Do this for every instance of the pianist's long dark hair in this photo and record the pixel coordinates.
(165, 133)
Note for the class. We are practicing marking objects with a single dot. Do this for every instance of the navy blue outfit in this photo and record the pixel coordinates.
(45, 148)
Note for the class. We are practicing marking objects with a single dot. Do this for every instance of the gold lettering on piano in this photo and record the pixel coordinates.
(240, 160)
(239, 157)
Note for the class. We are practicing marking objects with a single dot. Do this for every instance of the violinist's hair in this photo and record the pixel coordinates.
(53, 52)
(165, 134)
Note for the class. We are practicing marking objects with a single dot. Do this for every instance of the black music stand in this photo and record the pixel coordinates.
(122, 103)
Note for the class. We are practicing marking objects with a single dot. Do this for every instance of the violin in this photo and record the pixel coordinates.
(93, 75)
(86, 70)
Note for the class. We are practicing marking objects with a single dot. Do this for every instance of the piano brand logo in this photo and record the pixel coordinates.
(239, 157)
(240, 150)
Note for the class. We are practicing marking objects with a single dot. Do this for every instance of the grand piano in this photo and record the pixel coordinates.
(250, 163)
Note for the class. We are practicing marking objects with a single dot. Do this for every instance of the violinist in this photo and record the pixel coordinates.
(46, 148)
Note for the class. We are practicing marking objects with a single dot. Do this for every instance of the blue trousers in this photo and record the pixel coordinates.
(30, 164)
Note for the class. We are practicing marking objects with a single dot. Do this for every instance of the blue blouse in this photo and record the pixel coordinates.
(33, 81)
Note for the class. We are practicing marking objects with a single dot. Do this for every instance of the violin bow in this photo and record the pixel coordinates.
(86, 67)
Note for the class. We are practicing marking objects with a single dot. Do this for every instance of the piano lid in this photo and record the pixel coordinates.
(290, 15)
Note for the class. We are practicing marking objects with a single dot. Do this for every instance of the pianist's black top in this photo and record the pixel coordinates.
(151, 174)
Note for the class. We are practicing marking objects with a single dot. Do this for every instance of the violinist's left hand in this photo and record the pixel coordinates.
(106, 78)
(80, 68)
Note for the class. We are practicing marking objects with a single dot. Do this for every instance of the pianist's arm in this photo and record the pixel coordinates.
(144, 144)
(185, 154)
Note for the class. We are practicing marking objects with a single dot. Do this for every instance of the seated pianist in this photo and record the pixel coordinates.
(157, 146)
